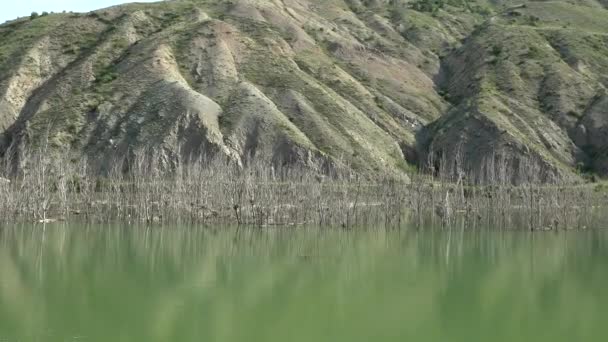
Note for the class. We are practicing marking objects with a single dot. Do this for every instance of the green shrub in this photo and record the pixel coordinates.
(106, 77)
(496, 50)
(428, 5)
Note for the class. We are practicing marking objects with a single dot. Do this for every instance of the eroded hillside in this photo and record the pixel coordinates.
(376, 85)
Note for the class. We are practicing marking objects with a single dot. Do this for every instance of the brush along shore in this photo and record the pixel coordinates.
(216, 191)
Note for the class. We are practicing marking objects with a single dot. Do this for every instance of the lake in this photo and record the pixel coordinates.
(120, 283)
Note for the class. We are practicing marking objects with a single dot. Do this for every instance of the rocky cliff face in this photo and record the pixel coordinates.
(375, 85)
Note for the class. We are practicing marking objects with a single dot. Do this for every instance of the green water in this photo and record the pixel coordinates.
(193, 284)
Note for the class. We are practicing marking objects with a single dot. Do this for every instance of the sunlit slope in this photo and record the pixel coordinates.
(372, 85)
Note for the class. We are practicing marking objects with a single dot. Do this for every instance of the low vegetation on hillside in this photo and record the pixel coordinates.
(376, 86)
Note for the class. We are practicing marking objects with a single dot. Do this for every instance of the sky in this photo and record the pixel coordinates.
(12, 9)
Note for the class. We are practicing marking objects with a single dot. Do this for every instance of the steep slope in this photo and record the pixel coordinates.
(374, 85)
(526, 83)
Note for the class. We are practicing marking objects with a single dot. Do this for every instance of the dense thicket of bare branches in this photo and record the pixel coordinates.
(146, 189)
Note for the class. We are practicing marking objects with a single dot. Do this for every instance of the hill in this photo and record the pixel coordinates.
(375, 85)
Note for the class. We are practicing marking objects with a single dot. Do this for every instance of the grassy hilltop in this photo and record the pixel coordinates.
(376, 85)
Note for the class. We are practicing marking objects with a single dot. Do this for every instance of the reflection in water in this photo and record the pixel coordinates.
(190, 284)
